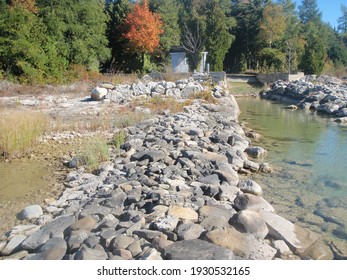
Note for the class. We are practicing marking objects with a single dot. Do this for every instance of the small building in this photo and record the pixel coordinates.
(179, 60)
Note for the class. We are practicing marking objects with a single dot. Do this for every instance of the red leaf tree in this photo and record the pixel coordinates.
(143, 28)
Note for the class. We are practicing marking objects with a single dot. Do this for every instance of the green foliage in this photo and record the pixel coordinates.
(78, 28)
(309, 12)
(315, 54)
(93, 153)
(218, 38)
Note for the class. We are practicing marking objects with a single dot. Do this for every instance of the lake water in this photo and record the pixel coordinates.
(308, 153)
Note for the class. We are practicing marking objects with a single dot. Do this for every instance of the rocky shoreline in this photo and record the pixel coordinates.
(176, 189)
(324, 94)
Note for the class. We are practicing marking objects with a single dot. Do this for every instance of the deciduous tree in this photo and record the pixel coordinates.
(142, 29)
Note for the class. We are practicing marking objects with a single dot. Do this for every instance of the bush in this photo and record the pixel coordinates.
(94, 152)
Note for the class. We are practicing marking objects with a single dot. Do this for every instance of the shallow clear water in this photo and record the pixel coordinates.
(308, 153)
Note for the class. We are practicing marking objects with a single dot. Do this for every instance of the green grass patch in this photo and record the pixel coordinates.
(94, 152)
(20, 131)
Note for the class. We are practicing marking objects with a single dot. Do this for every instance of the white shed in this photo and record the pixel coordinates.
(179, 61)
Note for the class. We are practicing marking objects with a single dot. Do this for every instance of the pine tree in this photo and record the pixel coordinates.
(218, 38)
(308, 11)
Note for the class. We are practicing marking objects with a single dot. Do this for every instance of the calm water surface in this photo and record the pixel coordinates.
(308, 153)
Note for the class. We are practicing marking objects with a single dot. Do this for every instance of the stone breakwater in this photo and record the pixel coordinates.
(328, 96)
(173, 191)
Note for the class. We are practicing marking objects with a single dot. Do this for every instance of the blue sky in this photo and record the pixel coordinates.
(330, 9)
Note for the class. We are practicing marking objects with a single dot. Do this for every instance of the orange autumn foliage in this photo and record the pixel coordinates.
(143, 28)
(29, 5)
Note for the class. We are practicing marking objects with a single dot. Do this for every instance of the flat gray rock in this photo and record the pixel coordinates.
(30, 212)
(53, 229)
(196, 250)
(14, 245)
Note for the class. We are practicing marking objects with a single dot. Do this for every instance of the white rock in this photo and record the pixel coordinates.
(30, 212)
(98, 93)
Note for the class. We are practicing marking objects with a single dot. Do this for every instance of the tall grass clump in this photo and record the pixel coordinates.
(20, 131)
(94, 152)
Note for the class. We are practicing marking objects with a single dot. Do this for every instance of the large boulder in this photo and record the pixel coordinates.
(98, 93)
(298, 239)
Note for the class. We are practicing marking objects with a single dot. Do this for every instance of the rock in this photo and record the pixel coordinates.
(166, 224)
(252, 202)
(160, 242)
(148, 235)
(135, 248)
(30, 212)
(227, 192)
(98, 93)
(320, 251)
(256, 152)
(121, 242)
(90, 254)
(183, 213)
(189, 231)
(152, 156)
(87, 223)
(52, 254)
(216, 211)
(53, 229)
(298, 239)
(210, 180)
(14, 245)
(196, 250)
(214, 222)
(249, 186)
(124, 254)
(253, 223)
(282, 248)
(151, 255)
(243, 246)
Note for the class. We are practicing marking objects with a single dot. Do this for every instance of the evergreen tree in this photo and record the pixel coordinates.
(308, 11)
(169, 12)
(292, 42)
(78, 28)
(25, 49)
(342, 27)
(314, 55)
(218, 38)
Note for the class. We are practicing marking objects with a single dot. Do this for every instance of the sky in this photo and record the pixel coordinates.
(331, 10)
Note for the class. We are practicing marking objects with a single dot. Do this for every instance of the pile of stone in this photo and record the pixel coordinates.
(328, 96)
(145, 87)
(173, 191)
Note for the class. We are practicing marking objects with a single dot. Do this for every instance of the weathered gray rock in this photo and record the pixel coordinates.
(98, 93)
(196, 250)
(168, 223)
(252, 202)
(14, 245)
(87, 223)
(30, 212)
(253, 223)
(298, 239)
(250, 186)
(189, 231)
(53, 229)
(256, 152)
(90, 254)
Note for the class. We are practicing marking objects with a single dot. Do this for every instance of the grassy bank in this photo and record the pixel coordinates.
(239, 88)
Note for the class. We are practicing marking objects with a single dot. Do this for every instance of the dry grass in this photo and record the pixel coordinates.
(158, 105)
(239, 88)
(205, 95)
(20, 130)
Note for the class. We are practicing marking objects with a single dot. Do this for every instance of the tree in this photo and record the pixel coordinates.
(78, 29)
(142, 29)
(169, 12)
(314, 55)
(308, 11)
(29, 5)
(25, 49)
(218, 39)
(342, 27)
(272, 24)
(293, 44)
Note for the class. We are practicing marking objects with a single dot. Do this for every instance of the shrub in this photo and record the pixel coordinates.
(94, 152)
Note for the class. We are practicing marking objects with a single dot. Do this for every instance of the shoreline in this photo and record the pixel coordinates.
(163, 210)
